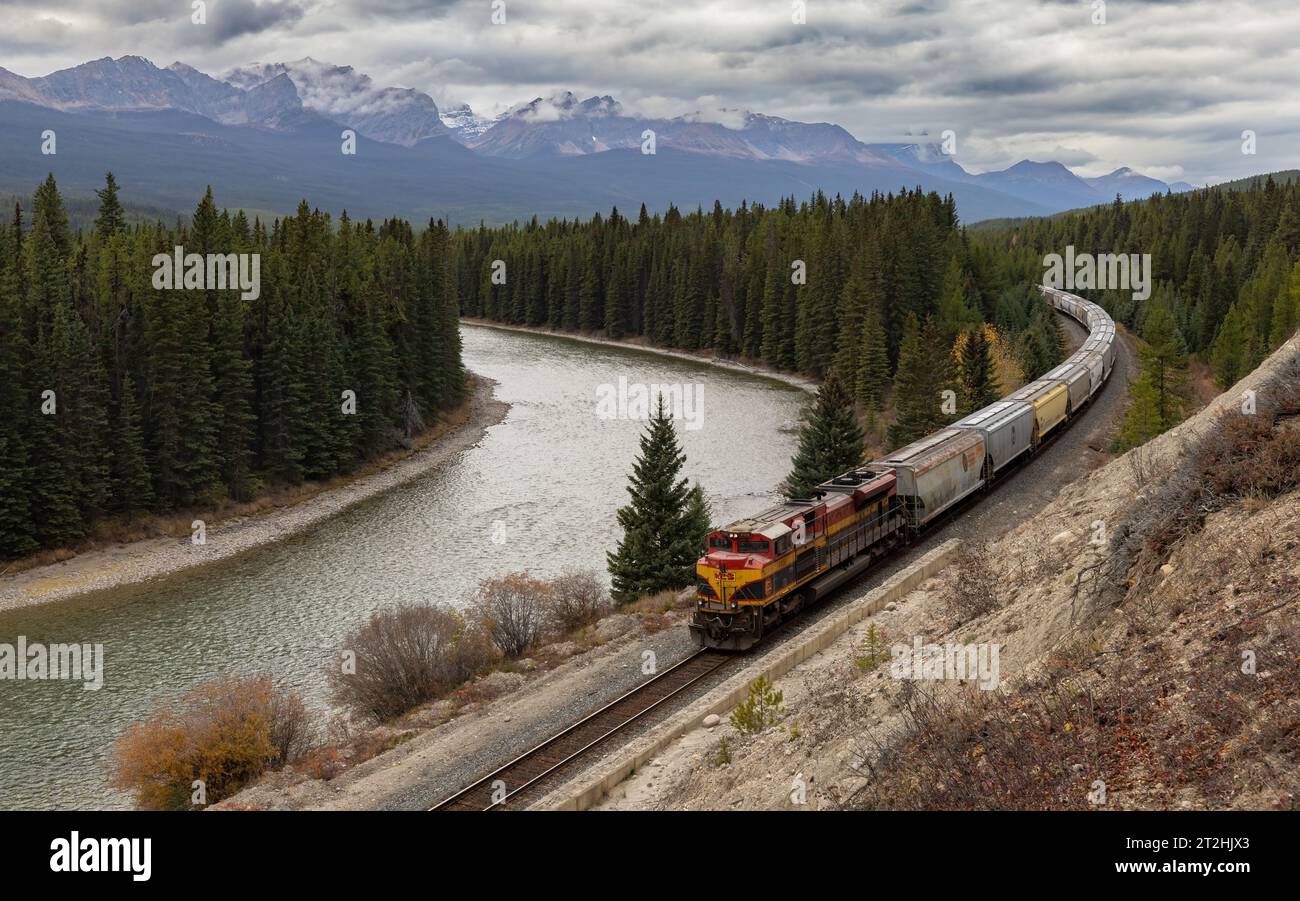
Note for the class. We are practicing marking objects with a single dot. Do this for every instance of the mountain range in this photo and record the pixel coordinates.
(267, 134)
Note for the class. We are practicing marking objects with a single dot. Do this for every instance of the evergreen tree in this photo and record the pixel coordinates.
(17, 530)
(924, 373)
(830, 442)
(111, 218)
(873, 359)
(132, 486)
(1158, 397)
(975, 372)
(664, 525)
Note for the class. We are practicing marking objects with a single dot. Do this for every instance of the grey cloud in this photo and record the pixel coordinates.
(1161, 84)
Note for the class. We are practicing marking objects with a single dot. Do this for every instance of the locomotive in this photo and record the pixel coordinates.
(760, 571)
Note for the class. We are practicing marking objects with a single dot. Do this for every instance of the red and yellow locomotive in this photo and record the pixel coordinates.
(758, 571)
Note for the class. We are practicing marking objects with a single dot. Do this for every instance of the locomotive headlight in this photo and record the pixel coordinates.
(733, 605)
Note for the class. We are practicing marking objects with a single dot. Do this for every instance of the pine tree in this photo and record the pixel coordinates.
(111, 218)
(830, 443)
(955, 314)
(975, 373)
(233, 379)
(873, 359)
(17, 530)
(1164, 361)
(665, 524)
(924, 366)
(132, 486)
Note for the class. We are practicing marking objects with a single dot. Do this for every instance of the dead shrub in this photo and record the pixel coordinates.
(577, 599)
(404, 656)
(294, 730)
(323, 764)
(514, 611)
(976, 587)
(226, 732)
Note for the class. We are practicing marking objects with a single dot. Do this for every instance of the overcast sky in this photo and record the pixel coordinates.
(1165, 87)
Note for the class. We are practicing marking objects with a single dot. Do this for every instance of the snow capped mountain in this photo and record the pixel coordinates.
(926, 157)
(351, 98)
(465, 124)
(562, 125)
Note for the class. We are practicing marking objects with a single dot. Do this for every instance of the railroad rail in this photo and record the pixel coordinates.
(495, 790)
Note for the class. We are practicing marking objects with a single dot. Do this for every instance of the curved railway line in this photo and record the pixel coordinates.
(544, 761)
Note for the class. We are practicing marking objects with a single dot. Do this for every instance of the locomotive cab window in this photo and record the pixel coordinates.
(752, 546)
(720, 544)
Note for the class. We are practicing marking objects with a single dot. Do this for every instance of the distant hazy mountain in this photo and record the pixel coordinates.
(266, 135)
(1049, 184)
(926, 157)
(343, 95)
(1128, 184)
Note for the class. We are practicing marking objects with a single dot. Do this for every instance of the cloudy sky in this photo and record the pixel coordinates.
(1165, 87)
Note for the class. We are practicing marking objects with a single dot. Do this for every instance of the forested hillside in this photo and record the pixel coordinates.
(1226, 283)
(121, 399)
(827, 285)
(896, 298)
(1225, 261)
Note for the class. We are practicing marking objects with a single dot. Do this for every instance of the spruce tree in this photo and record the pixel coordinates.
(664, 525)
(924, 366)
(111, 218)
(830, 442)
(975, 374)
(132, 486)
(17, 530)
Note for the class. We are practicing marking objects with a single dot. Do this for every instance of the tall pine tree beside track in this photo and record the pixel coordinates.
(666, 522)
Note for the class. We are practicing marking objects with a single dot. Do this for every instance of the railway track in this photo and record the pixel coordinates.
(495, 790)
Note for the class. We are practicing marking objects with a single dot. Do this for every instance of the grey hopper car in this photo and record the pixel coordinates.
(936, 472)
(1074, 375)
(1094, 360)
(1008, 430)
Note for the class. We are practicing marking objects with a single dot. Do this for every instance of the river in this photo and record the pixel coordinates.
(539, 492)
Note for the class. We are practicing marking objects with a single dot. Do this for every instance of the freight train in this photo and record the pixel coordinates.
(760, 571)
